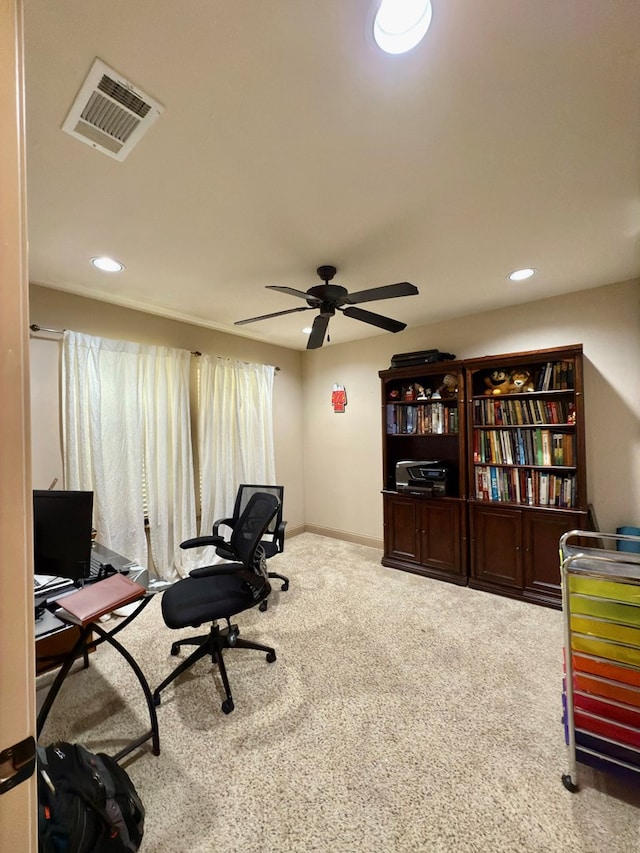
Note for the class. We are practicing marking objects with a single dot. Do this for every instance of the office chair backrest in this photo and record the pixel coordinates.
(254, 520)
(245, 491)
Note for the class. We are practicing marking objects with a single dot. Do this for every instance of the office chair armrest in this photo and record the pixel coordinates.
(280, 535)
(210, 571)
(201, 541)
(220, 522)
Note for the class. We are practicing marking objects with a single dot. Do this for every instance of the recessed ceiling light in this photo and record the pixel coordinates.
(107, 264)
(306, 330)
(520, 275)
(400, 24)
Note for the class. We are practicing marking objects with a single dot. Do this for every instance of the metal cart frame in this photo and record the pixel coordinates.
(597, 561)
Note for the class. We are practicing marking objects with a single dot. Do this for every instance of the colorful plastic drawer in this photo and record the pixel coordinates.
(606, 689)
(606, 669)
(603, 649)
(607, 748)
(626, 614)
(614, 711)
(627, 735)
(606, 630)
(614, 590)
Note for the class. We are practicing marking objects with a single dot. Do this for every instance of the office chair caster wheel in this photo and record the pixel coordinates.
(271, 656)
(285, 586)
(175, 648)
(156, 699)
(569, 784)
(263, 605)
(228, 706)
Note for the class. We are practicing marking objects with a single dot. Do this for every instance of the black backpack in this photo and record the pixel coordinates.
(86, 803)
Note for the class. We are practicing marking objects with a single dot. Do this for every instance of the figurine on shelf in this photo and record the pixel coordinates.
(408, 393)
(449, 387)
(422, 393)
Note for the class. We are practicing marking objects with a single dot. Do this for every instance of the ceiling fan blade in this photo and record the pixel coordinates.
(388, 291)
(293, 292)
(316, 338)
(374, 319)
(276, 314)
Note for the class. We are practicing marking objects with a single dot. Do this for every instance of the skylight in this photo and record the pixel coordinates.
(401, 24)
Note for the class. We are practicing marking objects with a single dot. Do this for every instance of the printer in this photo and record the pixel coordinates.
(421, 477)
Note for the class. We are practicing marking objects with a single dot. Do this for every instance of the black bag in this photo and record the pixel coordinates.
(86, 803)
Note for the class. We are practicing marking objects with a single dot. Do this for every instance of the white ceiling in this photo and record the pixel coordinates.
(510, 137)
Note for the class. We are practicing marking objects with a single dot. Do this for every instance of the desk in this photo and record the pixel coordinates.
(89, 637)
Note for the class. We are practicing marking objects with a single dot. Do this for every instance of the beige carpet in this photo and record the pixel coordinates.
(402, 714)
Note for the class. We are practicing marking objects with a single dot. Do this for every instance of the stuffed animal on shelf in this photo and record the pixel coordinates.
(520, 380)
(448, 389)
(497, 382)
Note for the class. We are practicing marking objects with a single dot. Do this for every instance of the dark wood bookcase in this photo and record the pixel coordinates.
(527, 471)
(516, 461)
(422, 533)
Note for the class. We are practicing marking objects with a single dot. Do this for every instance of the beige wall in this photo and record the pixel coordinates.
(343, 469)
(331, 463)
(57, 310)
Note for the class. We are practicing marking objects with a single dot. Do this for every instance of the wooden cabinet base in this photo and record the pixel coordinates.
(426, 536)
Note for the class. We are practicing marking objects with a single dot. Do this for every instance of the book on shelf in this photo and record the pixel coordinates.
(96, 599)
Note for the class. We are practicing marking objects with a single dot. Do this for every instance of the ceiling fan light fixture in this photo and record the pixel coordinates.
(521, 275)
(400, 25)
(107, 264)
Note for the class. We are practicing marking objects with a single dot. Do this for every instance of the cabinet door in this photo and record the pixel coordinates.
(401, 528)
(440, 536)
(541, 532)
(496, 545)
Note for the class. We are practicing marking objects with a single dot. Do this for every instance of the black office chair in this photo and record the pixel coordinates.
(220, 592)
(273, 539)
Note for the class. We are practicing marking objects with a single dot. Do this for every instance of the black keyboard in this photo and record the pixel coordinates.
(99, 570)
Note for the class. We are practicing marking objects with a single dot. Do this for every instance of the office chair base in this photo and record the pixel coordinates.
(285, 586)
(211, 645)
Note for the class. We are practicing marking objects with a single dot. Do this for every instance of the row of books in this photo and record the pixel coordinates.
(555, 376)
(500, 411)
(516, 485)
(524, 447)
(421, 419)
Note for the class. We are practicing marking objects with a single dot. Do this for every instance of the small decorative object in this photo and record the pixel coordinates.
(409, 393)
(422, 393)
(338, 398)
(449, 387)
(497, 382)
(520, 380)
(394, 394)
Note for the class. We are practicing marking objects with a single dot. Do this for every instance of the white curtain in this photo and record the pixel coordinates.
(235, 434)
(126, 437)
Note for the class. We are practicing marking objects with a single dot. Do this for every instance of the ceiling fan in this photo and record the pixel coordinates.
(329, 297)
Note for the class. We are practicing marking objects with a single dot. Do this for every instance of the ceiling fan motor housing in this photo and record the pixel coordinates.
(326, 272)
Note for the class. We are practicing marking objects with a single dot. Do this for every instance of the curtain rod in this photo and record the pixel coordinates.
(35, 328)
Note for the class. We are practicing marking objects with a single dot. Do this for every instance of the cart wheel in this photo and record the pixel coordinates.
(271, 656)
(227, 705)
(569, 784)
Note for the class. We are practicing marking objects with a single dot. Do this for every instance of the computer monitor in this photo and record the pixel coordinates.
(62, 533)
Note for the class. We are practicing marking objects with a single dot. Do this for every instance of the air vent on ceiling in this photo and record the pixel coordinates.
(109, 113)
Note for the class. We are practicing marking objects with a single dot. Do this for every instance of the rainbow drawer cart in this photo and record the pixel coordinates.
(601, 696)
